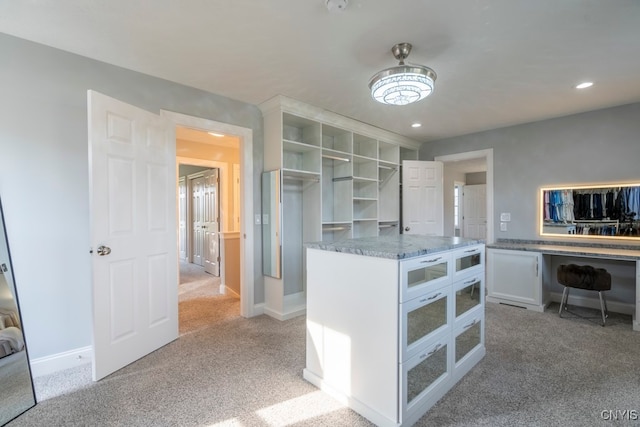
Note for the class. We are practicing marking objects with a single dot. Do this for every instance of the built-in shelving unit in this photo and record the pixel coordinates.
(341, 179)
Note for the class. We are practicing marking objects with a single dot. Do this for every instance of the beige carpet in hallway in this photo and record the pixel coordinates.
(199, 300)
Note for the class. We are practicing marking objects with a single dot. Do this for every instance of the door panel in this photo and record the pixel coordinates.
(422, 200)
(197, 215)
(475, 211)
(211, 226)
(182, 218)
(133, 205)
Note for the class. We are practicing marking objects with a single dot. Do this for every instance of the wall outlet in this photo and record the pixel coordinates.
(503, 226)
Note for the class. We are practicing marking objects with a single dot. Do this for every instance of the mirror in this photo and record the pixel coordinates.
(271, 242)
(16, 387)
(609, 211)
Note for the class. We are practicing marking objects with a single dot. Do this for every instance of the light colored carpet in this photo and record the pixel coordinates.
(540, 370)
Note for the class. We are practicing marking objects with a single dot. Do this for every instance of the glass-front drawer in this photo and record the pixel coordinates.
(419, 275)
(421, 317)
(424, 373)
(468, 294)
(468, 339)
(468, 259)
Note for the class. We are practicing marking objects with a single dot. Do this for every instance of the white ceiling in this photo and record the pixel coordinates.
(499, 62)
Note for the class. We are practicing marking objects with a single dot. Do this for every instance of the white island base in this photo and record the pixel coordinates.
(388, 337)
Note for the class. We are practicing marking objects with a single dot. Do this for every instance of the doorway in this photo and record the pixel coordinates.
(208, 214)
(459, 169)
(242, 176)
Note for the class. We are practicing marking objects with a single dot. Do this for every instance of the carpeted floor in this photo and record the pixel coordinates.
(540, 370)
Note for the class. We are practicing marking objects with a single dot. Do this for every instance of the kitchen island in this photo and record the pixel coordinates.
(393, 322)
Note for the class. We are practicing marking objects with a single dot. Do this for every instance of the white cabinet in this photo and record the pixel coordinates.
(391, 337)
(517, 277)
(340, 179)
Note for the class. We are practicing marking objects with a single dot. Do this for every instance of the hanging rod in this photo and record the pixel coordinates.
(300, 178)
(342, 178)
(342, 159)
(336, 228)
(387, 167)
(387, 225)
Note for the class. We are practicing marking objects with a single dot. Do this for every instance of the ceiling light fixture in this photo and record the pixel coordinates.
(402, 84)
(584, 85)
(416, 125)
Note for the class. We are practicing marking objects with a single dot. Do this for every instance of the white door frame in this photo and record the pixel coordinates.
(488, 156)
(247, 308)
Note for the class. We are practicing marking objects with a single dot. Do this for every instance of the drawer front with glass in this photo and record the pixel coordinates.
(423, 316)
(467, 294)
(469, 335)
(420, 275)
(468, 260)
(424, 373)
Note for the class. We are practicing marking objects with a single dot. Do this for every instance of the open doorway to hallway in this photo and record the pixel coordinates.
(468, 194)
(208, 166)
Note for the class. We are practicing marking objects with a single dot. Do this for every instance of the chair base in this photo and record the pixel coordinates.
(603, 305)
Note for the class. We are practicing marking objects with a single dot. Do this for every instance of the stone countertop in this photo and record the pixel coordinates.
(395, 247)
(612, 251)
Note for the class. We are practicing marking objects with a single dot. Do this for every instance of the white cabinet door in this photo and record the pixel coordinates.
(515, 277)
(422, 200)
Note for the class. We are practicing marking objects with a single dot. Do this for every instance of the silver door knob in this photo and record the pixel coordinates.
(104, 250)
(406, 229)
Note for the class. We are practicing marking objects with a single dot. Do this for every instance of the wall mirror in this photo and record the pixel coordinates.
(271, 238)
(609, 211)
(16, 386)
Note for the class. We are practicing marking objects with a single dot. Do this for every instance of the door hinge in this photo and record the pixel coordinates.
(218, 259)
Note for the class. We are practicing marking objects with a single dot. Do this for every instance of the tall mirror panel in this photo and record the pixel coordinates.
(16, 387)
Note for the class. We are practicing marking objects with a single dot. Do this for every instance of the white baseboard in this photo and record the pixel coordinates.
(58, 362)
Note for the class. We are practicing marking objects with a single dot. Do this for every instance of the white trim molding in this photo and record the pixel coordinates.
(59, 362)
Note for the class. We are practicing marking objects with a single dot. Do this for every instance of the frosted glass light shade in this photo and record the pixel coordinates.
(402, 85)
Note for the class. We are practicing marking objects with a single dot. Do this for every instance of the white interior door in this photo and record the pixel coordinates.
(422, 198)
(211, 222)
(182, 218)
(475, 211)
(197, 220)
(133, 233)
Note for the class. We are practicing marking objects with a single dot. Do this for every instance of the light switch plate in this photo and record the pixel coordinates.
(505, 216)
(503, 226)
(257, 219)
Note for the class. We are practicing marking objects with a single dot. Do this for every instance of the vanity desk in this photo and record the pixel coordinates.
(393, 322)
(519, 272)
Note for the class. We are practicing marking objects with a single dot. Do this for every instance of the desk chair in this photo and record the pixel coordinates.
(584, 277)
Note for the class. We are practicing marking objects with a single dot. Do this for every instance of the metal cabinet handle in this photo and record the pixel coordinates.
(434, 296)
(430, 260)
(470, 324)
(103, 250)
(470, 281)
(436, 348)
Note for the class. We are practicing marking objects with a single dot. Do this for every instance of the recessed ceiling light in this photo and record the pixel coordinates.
(219, 135)
(584, 85)
(416, 125)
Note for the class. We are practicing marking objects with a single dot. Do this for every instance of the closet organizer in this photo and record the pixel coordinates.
(340, 179)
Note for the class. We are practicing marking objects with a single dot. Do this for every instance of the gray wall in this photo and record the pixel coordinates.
(598, 146)
(43, 178)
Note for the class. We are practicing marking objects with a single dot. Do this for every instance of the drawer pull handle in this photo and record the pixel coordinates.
(470, 324)
(430, 260)
(470, 251)
(471, 281)
(436, 348)
(434, 296)
(423, 300)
